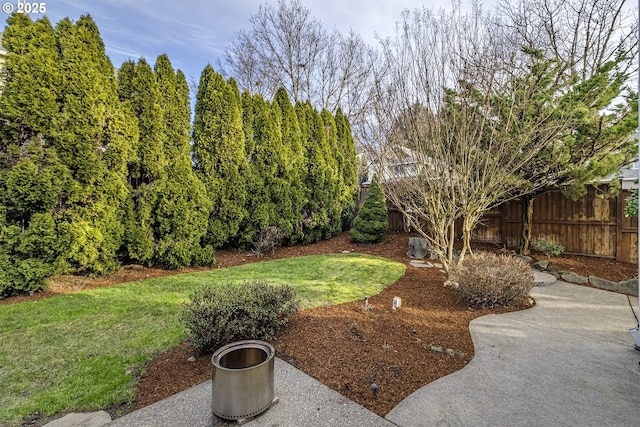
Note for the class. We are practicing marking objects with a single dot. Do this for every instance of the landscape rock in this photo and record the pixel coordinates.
(572, 277)
(418, 248)
(629, 287)
(90, 419)
(541, 265)
(421, 264)
(543, 279)
(603, 284)
(526, 258)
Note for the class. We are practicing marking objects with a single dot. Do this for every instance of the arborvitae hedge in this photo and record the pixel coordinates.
(98, 169)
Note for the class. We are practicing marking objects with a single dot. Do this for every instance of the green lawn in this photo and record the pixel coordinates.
(85, 351)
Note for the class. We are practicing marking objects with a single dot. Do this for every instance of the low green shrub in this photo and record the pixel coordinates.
(219, 314)
(488, 280)
(549, 248)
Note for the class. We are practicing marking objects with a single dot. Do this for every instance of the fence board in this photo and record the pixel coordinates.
(591, 225)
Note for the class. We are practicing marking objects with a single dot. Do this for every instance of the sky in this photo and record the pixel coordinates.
(194, 33)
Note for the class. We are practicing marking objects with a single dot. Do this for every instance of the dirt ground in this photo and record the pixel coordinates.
(344, 346)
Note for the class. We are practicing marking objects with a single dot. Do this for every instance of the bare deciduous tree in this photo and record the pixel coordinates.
(287, 47)
(456, 94)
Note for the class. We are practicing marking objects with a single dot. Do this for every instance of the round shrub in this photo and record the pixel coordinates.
(219, 314)
(488, 280)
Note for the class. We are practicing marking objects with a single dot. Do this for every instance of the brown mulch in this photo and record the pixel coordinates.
(344, 346)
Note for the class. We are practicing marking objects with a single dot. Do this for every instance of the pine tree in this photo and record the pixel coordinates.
(219, 152)
(371, 223)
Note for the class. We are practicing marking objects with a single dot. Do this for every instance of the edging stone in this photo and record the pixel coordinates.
(629, 287)
(572, 277)
(603, 284)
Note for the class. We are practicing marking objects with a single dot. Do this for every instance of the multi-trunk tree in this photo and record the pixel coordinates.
(475, 112)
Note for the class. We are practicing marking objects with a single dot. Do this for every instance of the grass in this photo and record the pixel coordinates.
(85, 351)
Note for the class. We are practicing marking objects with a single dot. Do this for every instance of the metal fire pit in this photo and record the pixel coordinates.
(242, 379)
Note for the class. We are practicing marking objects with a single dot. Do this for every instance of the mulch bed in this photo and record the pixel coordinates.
(344, 346)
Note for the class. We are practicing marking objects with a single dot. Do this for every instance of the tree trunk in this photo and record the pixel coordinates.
(526, 204)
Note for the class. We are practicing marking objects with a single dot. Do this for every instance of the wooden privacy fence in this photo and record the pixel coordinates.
(591, 225)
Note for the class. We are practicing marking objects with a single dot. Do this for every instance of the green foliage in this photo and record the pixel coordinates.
(488, 280)
(66, 128)
(371, 224)
(109, 162)
(218, 315)
(348, 167)
(263, 183)
(220, 156)
(549, 248)
(33, 79)
(181, 209)
(28, 257)
(631, 205)
(292, 170)
(320, 178)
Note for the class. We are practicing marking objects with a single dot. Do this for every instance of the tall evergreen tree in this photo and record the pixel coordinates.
(89, 105)
(292, 168)
(219, 152)
(335, 162)
(138, 90)
(60, 121)
(319, 182)
(182, 208)
(29, 101)
(260, 133)
(349, 168)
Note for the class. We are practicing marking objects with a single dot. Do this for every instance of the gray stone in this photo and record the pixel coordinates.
(543, 279)
(572, 277)
(418, 248)
(541, 265)
(90, 419)
(421, 264)
(526, 258)
(629, 287)
(603, 284)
